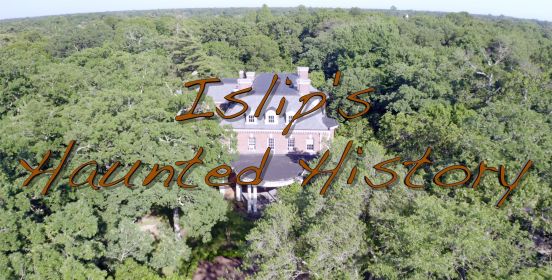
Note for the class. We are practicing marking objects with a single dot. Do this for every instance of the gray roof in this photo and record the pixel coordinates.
(278, 167)
(217, 91)
(315, 121)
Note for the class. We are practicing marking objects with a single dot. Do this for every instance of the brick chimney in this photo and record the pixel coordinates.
(247, 81)
(303, 82)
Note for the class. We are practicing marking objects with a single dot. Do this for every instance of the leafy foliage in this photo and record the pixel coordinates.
(473, 88)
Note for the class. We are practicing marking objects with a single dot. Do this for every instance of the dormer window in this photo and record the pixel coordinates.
(289, 117)
(270, 117)
(250, 119)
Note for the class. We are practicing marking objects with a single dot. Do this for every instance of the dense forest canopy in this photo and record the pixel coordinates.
(473, 88)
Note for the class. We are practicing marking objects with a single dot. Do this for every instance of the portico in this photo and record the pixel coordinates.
(280, 171)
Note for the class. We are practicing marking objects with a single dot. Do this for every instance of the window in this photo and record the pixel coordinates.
(291, 144)
(270, 117)
(310, 145)
(271, 143)
(289, 117)
(250, 119)
(251, 143)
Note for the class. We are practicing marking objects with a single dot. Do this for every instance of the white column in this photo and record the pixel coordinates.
(222, 190)
(238, 192)
(255, 199)
(249, 203)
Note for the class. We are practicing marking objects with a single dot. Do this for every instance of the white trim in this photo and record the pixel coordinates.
(288, 116)
(291, 148)
(251, 143)
(309, 141)
(280, 131)
(271, 137)
(277, 184)
(271, 113)
(247, 119)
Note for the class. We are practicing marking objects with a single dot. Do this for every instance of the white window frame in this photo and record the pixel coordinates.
(271, 113)
(291, 144)
(273, 143)
(251, 143)
(309, 142)
(248, 119)
(289, 117)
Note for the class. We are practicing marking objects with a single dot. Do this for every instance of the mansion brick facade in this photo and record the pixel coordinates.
(309, 135)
